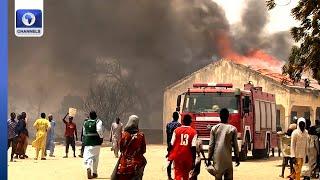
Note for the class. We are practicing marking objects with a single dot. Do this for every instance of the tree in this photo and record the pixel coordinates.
(306, 55)
(111, 95)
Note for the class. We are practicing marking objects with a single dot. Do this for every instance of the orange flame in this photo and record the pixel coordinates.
(255, 58)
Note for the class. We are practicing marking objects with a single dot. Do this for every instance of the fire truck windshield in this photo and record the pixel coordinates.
(210, 102)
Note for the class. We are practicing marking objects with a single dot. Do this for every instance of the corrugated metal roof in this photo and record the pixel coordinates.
(274, 75)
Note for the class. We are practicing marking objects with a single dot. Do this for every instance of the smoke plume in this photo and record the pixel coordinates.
(157, 43)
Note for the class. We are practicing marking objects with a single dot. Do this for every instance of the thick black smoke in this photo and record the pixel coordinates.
(157, 42)
(251, 33)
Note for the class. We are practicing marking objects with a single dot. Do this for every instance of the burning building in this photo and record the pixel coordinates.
(292, 99)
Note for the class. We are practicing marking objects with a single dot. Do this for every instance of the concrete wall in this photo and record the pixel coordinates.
(300, 110)
(225, 71)
(305, 97)
(282, 115)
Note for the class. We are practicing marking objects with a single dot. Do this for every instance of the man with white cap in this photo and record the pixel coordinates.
(51, 136)
(299, 147)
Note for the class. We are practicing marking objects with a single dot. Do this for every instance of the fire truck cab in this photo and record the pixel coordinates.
(252, 112)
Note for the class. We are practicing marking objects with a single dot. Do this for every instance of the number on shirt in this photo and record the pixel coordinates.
(184, 139)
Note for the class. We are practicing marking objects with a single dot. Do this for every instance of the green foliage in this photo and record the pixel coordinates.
(270, 4)
(306, 55)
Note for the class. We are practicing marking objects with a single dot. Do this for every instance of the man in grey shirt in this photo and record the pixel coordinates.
(223, 138)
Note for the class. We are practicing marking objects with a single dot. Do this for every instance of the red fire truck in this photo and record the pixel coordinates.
(252, 112)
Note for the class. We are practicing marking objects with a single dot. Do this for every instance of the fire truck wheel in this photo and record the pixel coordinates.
(258, 153)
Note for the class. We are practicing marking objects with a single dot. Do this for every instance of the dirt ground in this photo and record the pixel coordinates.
(72, 168)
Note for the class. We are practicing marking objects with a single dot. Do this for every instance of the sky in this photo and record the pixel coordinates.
(279, 17)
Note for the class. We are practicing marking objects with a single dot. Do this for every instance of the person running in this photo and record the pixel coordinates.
(51, 136)
(115, 136)
(12, 135)
(70, 133)
(183, 152)
(42, 126)
(223, 138)
(92, 139)
(132, 147)
(299, 148)
(171, 126)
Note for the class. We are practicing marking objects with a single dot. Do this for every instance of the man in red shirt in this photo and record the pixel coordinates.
(71, 131)
(183, 153)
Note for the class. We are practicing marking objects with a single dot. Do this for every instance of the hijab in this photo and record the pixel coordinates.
(132, 126)
(301, 120)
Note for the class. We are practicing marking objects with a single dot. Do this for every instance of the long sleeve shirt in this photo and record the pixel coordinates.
(51, 131)
(299, 143)
(99, 127)
(22, 127)
(223, 138)
(170, 129)
(116, 130)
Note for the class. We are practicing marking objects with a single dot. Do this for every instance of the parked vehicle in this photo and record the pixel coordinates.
(252, 112)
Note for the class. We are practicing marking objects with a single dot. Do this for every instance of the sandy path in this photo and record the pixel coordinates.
(72, 169)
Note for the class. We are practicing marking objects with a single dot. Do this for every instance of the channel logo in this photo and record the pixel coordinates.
(29, 23)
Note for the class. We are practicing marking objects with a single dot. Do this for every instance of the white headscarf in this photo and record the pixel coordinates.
(301, 120)
(133, 124)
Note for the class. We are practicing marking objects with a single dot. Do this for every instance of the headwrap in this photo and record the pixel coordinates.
(301, 120)
(132, 126)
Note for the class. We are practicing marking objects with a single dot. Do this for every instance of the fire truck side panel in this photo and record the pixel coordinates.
(246, 122)
(264, 119)
(274, 140)
(256, 127)
(259, 140)
(247, 127)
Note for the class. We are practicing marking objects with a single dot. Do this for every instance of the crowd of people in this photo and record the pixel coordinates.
(300, 149)
(185, 149)
(18, 135)
(299, 146)
(130, 141)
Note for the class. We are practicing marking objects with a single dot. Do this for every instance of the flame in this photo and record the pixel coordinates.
(256, 58)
